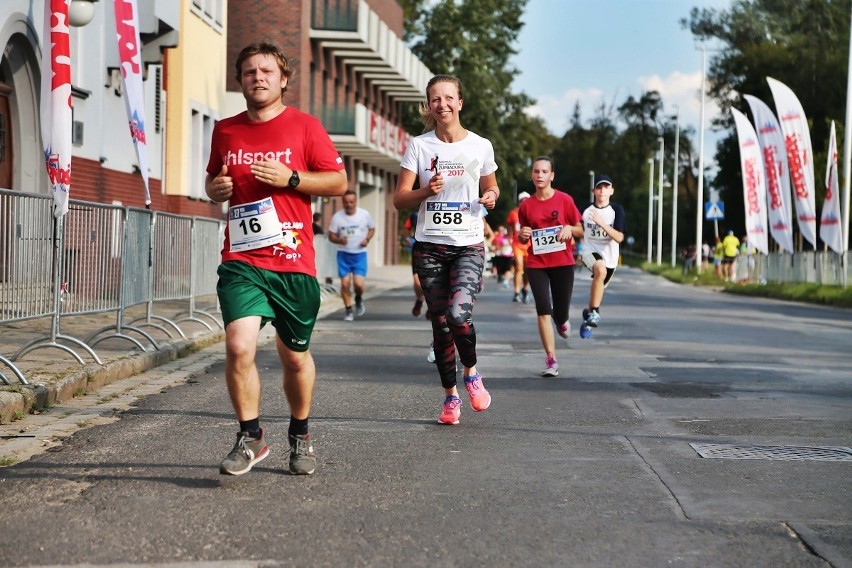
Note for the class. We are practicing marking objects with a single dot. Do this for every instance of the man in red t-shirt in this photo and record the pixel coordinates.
(269, 161)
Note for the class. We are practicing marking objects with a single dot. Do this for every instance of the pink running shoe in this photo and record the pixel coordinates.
(552, 369)
(564, 330)
(451, 410)
(479, 398)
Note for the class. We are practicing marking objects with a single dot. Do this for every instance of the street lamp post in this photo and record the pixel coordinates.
(81, 12)
(674, 188)
(591, 186)
(660, 205)
(847, 160)
(699, 237)
(650, 205)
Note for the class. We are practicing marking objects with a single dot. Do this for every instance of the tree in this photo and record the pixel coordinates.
(473, 40)
(619, 142)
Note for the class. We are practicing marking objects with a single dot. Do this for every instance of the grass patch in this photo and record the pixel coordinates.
(801, 292)
(18, 415)
(108, 398)
(796, 292)
(6, 461)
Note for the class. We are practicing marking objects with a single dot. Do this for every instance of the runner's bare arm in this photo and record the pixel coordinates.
(277, 174)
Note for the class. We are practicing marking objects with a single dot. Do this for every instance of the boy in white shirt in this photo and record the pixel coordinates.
(603, 232)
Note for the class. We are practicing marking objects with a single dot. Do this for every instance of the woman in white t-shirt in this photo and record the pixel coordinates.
(457, 182)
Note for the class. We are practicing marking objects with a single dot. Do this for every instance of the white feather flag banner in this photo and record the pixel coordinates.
(778, 201)
(800, 156)
(830, 230)
(55, 109)
(127, 31)
(754, 187)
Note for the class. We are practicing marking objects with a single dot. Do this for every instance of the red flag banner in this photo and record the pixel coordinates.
(55, 107)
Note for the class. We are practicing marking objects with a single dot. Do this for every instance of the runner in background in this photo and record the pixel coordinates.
(519, 253)
(351, 229)
(604, 225)
(550, 221)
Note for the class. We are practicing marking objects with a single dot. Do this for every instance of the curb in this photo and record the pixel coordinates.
(18, 400)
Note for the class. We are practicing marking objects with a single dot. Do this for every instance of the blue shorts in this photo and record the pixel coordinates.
(351, 263)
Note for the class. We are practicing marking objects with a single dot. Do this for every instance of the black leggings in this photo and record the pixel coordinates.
(552, 289)
(451, 277)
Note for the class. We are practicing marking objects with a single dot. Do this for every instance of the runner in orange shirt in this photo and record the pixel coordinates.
(520, 251)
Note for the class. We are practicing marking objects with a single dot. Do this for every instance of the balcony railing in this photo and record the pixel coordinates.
(335, 15)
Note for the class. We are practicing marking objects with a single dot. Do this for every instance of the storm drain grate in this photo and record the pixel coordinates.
(777, 453)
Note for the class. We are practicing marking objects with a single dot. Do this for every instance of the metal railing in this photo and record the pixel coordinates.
(97, 259)
(825, 267)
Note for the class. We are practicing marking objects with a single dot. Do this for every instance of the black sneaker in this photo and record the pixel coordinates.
(525, 296)
(303, 460)
(516, 298)
(247, 452)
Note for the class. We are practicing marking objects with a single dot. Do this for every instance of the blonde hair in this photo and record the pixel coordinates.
(429, 122)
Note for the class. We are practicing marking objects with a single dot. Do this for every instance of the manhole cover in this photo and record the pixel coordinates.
(777, 453)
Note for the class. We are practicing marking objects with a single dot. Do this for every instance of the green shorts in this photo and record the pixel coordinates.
(290, 300)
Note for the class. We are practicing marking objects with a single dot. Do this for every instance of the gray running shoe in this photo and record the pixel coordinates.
(247, 452)
(360, 308)
(303, 460)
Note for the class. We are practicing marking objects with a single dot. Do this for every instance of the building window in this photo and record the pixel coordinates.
(210, 11)
(200, 132)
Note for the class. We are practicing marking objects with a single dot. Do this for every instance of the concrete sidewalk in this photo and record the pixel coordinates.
(55, 375)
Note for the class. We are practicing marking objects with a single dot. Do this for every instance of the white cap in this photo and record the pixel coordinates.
(522, 195)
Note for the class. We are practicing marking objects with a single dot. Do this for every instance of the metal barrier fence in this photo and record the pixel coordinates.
(326, 258)
(97, 259)
(828, 268)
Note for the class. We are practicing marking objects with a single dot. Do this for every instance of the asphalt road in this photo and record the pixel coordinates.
(592, 468)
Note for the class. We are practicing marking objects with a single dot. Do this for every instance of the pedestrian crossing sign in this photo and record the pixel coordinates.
(714, 210)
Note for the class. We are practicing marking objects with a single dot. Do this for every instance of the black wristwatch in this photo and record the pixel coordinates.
(294, 180)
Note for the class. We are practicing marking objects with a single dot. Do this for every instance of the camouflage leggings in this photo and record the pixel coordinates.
(451, 277)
